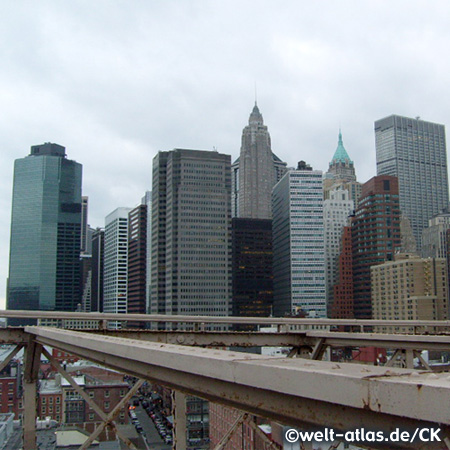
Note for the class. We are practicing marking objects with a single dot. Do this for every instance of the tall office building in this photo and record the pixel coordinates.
(434, 237)
(252, 267)
(375, 236)
(115, 279)
(341, 174)
(44, 263)
(255, 172)
(336, 211)
(84, 244)
(298, 243)
(191, 233)
(342, 306)
(98, 255)
(137, 262)
(147, 200)
(415, 152)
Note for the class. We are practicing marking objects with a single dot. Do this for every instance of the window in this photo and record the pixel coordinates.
(106, 393)
(106, 405)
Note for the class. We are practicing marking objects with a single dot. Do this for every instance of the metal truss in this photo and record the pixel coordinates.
(303, 393)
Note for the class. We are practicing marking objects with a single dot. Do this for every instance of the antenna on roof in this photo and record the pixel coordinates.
(256, 95)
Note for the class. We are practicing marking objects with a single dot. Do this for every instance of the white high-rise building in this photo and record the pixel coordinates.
(116, 262)
(298, 246)
(434, 238)
(336, 211)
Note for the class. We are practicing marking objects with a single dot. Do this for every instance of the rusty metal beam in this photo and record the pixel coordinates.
(269, 444)
(86, 397)
(111, 416)
(13, 336)
(31, 371)
(285, 339)
(296, 392)
(230, 433)
(10, 356)
(179, 420)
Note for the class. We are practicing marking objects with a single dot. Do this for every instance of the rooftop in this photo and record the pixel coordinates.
(341, 155)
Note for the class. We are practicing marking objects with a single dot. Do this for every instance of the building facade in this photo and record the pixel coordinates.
(44, 267)
(137, 261)
(415, 152)
(252, 267)
(336, 211)
(147, 200)
(341, 174)
(434, 237)
(255, 172)
(298, 243)
(375, 236)
(116, 262)
(191, 233)
(410, 288)
(343, 302)
(97, 269)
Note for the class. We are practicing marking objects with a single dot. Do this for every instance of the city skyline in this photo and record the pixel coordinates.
(122, 83)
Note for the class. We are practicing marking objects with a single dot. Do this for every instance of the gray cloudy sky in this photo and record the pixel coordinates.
(116, 81)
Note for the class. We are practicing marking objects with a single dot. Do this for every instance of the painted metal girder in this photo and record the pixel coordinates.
(296, 392)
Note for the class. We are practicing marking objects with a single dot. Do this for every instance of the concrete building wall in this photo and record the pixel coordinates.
(410, 288)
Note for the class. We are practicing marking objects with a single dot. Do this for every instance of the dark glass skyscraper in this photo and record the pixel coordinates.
(252, 275)
(414, 151)
(44, 263)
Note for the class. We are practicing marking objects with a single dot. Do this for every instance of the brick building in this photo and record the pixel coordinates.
(375, 236)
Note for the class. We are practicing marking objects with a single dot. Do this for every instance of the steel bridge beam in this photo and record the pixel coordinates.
(282, 321)
(295, 391)
(284, 339)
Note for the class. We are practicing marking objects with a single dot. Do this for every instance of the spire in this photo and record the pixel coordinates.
(341, 155)
(256, 117)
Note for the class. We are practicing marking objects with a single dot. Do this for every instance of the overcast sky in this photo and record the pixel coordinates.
(116, 81)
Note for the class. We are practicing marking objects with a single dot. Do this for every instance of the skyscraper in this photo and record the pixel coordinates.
(415, 152)
(434, 237)
(116, 262)
(147, 200)
(191, 233)
(255, 172)
(137, 262)
(336, 211)
(252, 267)
(341, 174)
(44, 265)
(98, 253)
(298, 243)
(375, 236)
